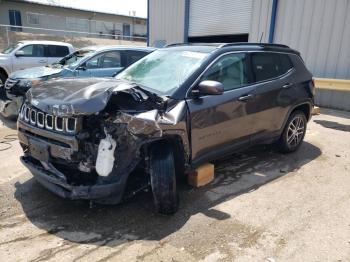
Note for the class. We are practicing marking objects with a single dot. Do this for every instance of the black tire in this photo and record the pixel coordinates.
(179, 158)
(3, 78)
(293, 133)
(163, 179)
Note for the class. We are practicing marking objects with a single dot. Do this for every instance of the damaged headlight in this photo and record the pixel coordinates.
(23, 85)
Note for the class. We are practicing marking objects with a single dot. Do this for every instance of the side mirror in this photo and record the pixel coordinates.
(81, 67)
(209, 87)
(19, 53)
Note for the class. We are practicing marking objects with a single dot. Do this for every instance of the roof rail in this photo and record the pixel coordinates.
(195, 44)
(221, 45)
(253, 44)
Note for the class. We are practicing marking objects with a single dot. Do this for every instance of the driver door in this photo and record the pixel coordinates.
(221, 123)
(30, 56)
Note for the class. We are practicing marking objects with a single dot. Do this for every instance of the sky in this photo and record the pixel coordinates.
(123, 7)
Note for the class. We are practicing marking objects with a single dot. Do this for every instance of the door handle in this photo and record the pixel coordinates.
(287, 85)
(246, 97)
(42, 61)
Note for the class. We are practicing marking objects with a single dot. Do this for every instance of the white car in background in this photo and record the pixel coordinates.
(25, 54)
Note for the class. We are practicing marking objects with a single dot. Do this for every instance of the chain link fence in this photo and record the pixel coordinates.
(97, 33)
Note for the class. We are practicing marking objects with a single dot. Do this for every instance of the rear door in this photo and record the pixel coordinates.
(102, 65)
(32, 55)
(55, 52)
(274, 81)
(220, 123)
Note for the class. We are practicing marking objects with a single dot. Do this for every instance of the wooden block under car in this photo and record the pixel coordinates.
(316, 111)
(201, 176)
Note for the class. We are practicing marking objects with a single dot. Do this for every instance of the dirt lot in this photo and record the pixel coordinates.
(262, 206)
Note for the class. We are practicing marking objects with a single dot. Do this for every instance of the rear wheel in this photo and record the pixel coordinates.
(163, 178)
(293, 133)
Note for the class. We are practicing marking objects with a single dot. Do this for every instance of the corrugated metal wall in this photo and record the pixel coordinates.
(319, 29)
(166, 21)
(219, 17)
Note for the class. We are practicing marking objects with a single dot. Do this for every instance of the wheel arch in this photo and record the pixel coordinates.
(306, 108)
(176, 143)
(3, 70)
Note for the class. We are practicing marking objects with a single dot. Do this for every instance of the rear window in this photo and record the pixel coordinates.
(269, 65)
(57, 51)
(133, 56)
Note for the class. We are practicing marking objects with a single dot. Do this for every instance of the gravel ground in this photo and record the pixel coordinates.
(262, 206)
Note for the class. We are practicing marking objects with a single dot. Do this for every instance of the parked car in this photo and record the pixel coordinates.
(97, 61)
(26, 54)
(166, 114)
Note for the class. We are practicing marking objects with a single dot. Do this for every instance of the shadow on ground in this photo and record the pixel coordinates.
(333, 125)
(136, 219)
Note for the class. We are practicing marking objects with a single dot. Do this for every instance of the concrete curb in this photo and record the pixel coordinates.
(332, 93)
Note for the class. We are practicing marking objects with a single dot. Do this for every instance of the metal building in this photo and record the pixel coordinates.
(52, 15)
(319, 29)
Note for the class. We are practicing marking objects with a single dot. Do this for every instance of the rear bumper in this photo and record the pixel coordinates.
(55, 182)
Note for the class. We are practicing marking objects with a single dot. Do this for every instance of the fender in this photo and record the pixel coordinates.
(309, 103)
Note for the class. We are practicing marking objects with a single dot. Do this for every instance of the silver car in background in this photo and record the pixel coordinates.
(26, 54)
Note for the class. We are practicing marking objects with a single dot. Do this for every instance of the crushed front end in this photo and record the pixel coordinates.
(79, 155)
(61, 153)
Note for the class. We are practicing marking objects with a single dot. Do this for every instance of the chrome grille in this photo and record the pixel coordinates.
(10, 83)
(42, 120)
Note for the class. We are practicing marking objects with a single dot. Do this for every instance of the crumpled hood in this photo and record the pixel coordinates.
(35, 72)
(76, 96)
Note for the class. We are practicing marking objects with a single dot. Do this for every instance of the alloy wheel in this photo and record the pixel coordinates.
(296, 131)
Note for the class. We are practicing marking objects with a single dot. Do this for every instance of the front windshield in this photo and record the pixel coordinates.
(163, 70)
(73, 59)
(10, 48)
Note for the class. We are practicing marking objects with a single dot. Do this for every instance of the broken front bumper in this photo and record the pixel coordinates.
(52, 145)
(53, 181)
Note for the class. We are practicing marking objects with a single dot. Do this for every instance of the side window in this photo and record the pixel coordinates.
(133, 56)
(111, 59)
(94, 62)
(286, 63)
(57, 51)
(105, 60)
(269, 65)
(230, 70)
(33, 50)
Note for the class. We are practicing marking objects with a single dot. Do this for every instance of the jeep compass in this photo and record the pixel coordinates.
(170, 112)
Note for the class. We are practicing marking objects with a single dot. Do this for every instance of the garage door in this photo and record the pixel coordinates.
(219, 17)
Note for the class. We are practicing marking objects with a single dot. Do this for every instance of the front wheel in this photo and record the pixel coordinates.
(163, 178)
(293, 133)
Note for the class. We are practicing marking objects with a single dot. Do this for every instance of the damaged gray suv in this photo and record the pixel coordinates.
(173, 110)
